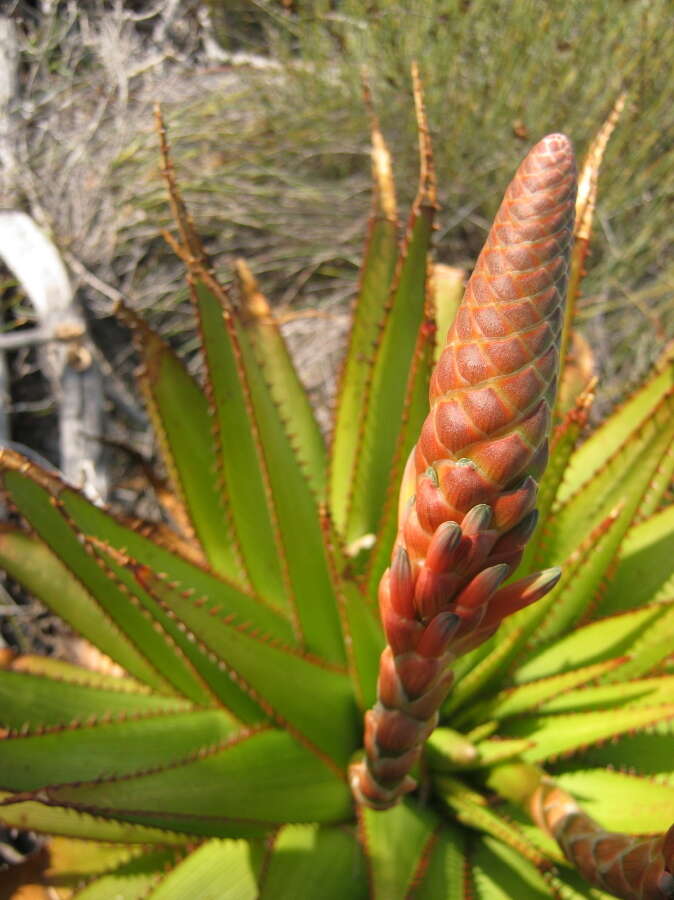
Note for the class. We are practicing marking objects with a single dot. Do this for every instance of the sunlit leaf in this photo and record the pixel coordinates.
(555, 735)
(218, 870)
(383, 403)
(602, 640)
(289, 687)
(53, 819)
(375, 279)
(280, 374)
(43, 573)
(180, 415)
(37, 700)
(445, 873)
(606, 441)
(92, 749)
(499, 873)
(131, 880)
(644, 566)
(243, 790)
(311, 862)
(396, 842)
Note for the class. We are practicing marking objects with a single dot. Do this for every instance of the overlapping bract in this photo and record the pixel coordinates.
(467, 503)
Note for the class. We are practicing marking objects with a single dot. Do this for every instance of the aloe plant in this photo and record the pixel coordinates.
(518, 742)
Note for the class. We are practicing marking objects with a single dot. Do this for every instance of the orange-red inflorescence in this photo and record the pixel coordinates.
(467, 503)
(635, 868)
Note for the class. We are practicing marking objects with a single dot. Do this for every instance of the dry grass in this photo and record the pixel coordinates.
(273, 158)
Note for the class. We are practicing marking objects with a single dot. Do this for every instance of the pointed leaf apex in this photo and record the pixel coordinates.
(580, 411)
(427, 195)
(254, 304)
(382, 168)
(587, 182)
(191, 249)
(382, 172)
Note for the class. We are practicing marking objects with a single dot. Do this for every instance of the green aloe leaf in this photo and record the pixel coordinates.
(304, 553)
(200, 678)
(240, 459)
(316, 864)
(274, 511)
(73, 861)
(377, 270)
(182, 423)
(143, 627)
(364, 642)
(562, 446)
(50, 667)
(446, 873)
(69, 754)
(132, 879)
(651, 647)
(470, 809)
(602, 640)
(499, 750)
(647, 753)
(482, 674)
(41, 496)
(582, 580)
(258, 781)
(641, 692)
(569, 885)
(246, 608)
(35, 701)
(285, 386)
(464, 665)
(448, 288)
(289, 687)
(283, 534)
(564, 882)
(447, 750)
(533, 695)
(491, 752)
(606, 441)
(500, 873)
(53, 819)
(32, 563)
(540, 839)
(415, 410)
(140, 649)
(218, 870)
(197, 676)
(626, 477)
(644, 567)
(396, 842)
(555, 735)
(382, 404)
(621, 802)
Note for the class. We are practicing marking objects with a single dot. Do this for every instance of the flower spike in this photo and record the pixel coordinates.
(467, 503)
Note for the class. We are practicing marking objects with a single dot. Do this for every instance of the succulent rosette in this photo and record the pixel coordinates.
(350, 669)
